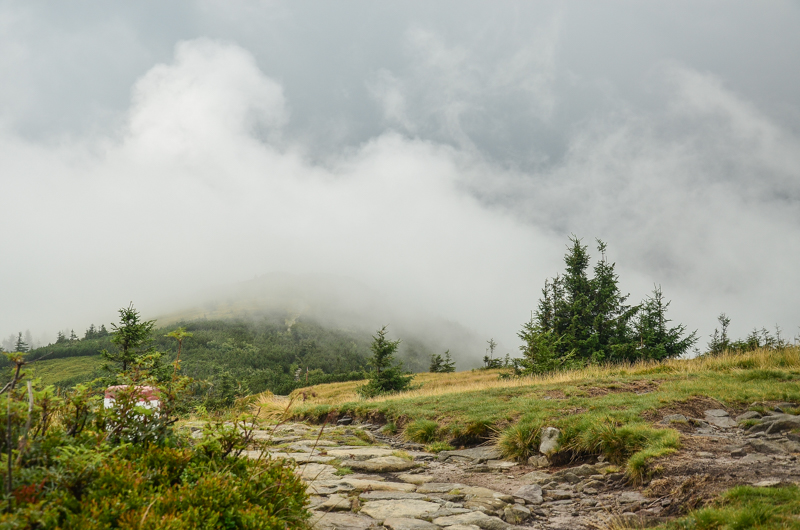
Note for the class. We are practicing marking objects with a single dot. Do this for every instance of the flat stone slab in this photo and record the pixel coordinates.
(376, 485)
(415, 478)
(300, 458)
(404, 523)
(479, 519)
(340, 521)
(475, 453)
(312, 471)
(439, 487)
(360, 453)
(412, 509)
(392, 496)
(335, 503)
(532, 493)
(383, 464)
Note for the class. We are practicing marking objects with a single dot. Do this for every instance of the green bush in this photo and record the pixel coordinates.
(422, 431)
(519, 442)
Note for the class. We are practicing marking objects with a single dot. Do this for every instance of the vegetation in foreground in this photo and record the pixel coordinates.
(72, 463)
(747, 507)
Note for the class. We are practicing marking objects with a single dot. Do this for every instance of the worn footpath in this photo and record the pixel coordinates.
(358, 479)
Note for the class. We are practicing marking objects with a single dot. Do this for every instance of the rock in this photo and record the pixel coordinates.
(413, 509)
(539, 461)
(559, 495)
(476, 454)
(360, 453)
(720, 418)
(383, 464)
(766, 447)
(549, 440)
(739, 452)
(340, 521)
(404, 523)
(479, 519)
(584, 470)
(439, 487)
(767, 483)
(535, 477)
(463, 527)
(673, 418)
(782, 407)
(335, 502)
(531, 493)
(570, 478)
(784, 423)
(415, 478)
(347, 420)
(516, 513)
(631, 498)
(705, 454)
(499, 466)
(791, 446)
(749, 415)
(313, 471)
(489, 505)
(376, 485)
(391, 496)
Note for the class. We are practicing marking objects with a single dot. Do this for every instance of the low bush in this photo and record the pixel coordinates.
(519, 442)
(438, 447)
(422, 431)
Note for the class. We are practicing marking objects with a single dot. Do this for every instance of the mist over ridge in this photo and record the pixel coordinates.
(417, 166)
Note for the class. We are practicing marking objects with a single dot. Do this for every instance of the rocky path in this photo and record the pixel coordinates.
(360, 480)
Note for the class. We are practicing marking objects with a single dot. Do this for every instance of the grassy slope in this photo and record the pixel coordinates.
(615, 391)
(600, 410)
(52, 371)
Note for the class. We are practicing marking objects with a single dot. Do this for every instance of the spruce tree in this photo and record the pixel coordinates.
(448, 365)
(436, 363)
(20, 346)
(387, 376)
(131, 336)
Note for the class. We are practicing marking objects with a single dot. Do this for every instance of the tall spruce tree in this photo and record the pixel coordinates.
(387, 376)
(131, 336)
(21, 346)
(581, 320)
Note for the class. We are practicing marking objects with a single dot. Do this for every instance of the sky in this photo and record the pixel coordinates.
(437, 154)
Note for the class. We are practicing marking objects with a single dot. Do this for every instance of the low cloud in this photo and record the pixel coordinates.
(202, 185)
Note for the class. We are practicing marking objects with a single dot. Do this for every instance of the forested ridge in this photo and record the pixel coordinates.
(245, 356)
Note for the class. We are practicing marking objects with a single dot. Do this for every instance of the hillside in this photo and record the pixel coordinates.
(244, 355)
(639, 445)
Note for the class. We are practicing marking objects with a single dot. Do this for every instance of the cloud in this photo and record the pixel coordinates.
(456, 206)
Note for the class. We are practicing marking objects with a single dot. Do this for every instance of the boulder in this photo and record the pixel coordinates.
(549, 440)
(376, 485)
(531, 493)
(673, 417)
(415, 478)
(720, 418)
(360, 453)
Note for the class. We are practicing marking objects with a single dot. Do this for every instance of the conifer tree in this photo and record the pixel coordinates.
(448, 365)
(387, 376)
(131, 336)
(20, 346)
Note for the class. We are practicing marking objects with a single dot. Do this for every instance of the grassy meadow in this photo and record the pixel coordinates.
(599, 409)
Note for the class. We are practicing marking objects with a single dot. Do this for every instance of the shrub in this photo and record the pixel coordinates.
(519, 442)
(422, 431)
(438, 447)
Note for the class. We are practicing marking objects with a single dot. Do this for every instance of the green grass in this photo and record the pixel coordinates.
(422, 431)
(598, 410)
(747, 507)
(54, 371)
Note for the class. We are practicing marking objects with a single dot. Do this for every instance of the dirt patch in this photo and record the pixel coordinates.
(694, 407)
(636, 387)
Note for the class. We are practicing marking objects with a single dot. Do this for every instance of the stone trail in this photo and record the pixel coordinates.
(359, 485)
